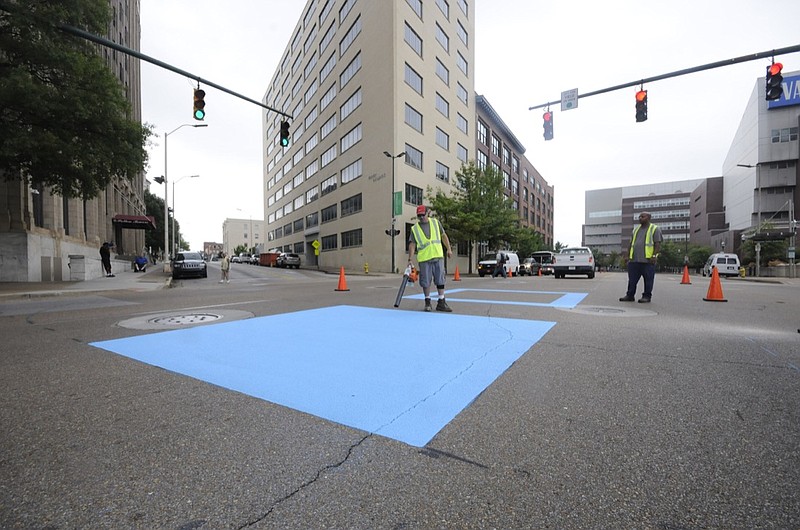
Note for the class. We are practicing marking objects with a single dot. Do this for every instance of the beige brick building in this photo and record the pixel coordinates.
(362, 79)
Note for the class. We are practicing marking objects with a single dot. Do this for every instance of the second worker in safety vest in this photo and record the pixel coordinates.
(642, 256)
(427, 238)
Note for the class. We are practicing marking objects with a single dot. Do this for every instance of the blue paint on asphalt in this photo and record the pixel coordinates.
(362, 367)
(564, 299)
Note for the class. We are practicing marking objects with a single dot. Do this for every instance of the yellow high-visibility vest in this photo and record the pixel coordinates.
(428, 248)
(648, 240)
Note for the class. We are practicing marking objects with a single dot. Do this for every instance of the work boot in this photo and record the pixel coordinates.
(441, 305)
(427, 304)
(627, 299)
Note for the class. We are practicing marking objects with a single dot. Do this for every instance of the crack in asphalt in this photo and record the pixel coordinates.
(305, 484)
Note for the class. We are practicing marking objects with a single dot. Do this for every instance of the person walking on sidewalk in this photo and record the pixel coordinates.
(428, 236)
(105, 258)
(642, 256)
(225, 268)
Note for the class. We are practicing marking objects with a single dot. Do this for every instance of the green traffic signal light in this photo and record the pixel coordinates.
(199, 104)
(284, 135)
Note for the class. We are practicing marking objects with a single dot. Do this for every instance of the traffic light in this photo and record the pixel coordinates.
(547, 117)
(641, 106)
(774, 89)
(284, 136)
(199, 104)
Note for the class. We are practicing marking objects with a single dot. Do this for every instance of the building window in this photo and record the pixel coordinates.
(327, 98)
(515, 165)
(351, 172)
(442, 105)
(350, 71)
(312, 195)
(345, 10)
(442, 172)
(413, 118)
(351, 205)
(329, 242)
(462, 64)
(327, 68)
(413, 157)
(413, 194)
(462, 33)
(413, 79)
(329, 156)
(464, 7)
(351, 238)
(416, 5)
(312, 219)
(351, 138)
(328, 127)
(462, 153)
(413, 40)
(442, 139)
(483, 133)
(482, 160)
(328, 185)
(461, 123)
(784, 135)
(444, 7)
(350, 36)
(506, 156)
(442, 38)
(352, 103)
(327, 38)
(442, 72)
(461, 94)
(329, 213)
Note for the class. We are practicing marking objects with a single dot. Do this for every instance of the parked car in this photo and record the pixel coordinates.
(574, 260)
(253, 259)
(288, 260)
(529, 267)
(545, 259)
(236, 259)
(726, 264)
(188, 264)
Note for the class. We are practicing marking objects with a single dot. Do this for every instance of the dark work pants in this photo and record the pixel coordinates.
(641, 270)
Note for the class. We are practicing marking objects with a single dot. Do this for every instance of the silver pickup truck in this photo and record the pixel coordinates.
(574, 260)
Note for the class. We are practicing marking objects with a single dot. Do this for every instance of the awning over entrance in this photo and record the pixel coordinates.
(141, 222)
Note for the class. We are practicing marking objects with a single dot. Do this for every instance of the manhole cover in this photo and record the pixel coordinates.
(185, 320)
(605, 311)
(182, 319)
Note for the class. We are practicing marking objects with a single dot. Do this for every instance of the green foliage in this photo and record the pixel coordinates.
(239, 249)
(526, 241)
(64, 120)
(478, 209)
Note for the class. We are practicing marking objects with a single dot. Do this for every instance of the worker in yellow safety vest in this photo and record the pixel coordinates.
(427, 239)
(642, 256)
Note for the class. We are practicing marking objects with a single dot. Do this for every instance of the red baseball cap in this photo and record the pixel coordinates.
(422, 209)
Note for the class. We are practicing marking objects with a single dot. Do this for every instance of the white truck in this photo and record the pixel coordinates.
(573, 260)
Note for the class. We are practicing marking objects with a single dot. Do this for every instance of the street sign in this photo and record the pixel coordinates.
(569, 99)
(397, 203)
(791, 253)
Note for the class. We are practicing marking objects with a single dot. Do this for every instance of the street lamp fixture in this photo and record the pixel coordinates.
(392, 230)
(164, 181)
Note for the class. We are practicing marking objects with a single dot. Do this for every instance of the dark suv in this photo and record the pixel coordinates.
(188, 264)
(288, 260)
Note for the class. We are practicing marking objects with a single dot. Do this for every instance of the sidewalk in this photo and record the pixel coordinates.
(155, 278)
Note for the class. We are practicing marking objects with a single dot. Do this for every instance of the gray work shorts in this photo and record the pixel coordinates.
(432, 268)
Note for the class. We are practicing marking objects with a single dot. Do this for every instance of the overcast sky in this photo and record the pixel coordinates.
(527, 53)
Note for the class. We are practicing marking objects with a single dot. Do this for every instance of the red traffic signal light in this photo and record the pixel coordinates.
(773, 88)
(641, 106)
(547, 124)
(199, 104)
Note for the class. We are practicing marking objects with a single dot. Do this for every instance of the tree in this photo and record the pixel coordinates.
(154, 207)
(64, 120)
(477, 210)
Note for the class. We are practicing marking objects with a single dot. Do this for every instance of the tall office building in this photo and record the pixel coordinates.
(381, 100)
(40, 231)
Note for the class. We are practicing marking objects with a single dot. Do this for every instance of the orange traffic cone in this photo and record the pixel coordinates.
(685, 279)
(510, 273)
(540, 271)
(457, 276)
(342, 281)
(715, 288)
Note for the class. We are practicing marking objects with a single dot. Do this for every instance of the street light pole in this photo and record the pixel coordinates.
(166, 207)
(174, 242)
(393, 157)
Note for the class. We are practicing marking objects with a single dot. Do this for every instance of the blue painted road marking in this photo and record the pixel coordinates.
(362, 367)
(559, 299)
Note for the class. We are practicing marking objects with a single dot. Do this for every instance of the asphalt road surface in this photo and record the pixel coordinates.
(678, 414)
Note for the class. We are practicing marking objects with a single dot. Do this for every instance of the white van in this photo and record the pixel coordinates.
(488, 263)
(726, 264)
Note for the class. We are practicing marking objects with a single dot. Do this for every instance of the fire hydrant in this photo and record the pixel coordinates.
(366, 268)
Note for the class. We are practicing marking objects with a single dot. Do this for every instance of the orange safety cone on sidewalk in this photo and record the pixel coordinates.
(457, 276)
(685, 280)
(510, 273)
(715, 288)
(342, 281)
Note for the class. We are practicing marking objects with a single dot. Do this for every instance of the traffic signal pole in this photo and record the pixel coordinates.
(133, 53)
(709, 66)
